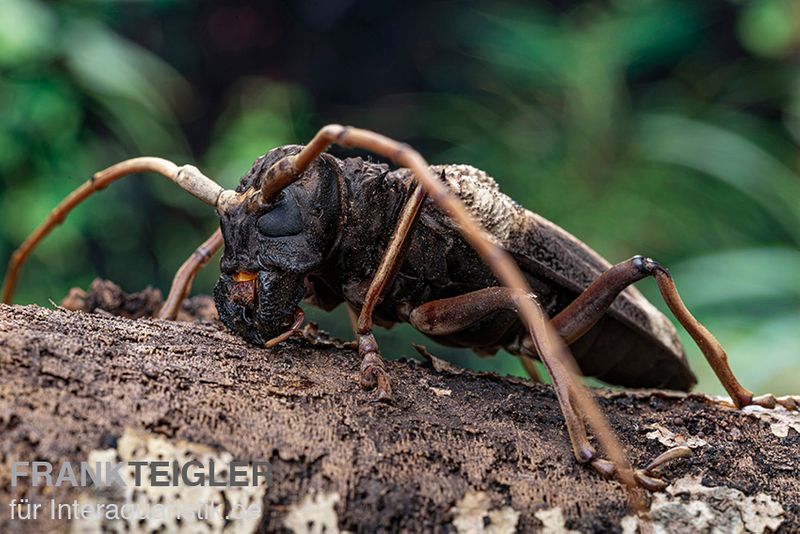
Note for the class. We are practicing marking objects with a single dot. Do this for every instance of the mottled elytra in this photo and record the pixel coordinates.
(439, 247)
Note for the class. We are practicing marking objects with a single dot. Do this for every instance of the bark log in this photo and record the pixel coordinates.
(461, 451)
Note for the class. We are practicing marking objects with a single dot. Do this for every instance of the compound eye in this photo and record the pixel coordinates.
(282, 220)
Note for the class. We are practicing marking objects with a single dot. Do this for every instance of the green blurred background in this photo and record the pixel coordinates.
(666, 128)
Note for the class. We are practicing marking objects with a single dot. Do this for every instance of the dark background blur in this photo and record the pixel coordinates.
(666, 128)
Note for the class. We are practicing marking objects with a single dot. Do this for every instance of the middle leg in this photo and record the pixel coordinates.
(456, 314)
(453, 315)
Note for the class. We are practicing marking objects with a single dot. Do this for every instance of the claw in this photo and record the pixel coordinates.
(790, 402)
(368, 378)
(373, 376)
(371, 370)
(765, 401)
(643, 477)
(605, 468)
(585, 453)
(673, 454)
(769, 401)
(647, 482)
(384, 396)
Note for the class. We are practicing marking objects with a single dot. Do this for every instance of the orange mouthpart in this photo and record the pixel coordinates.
(243, 276)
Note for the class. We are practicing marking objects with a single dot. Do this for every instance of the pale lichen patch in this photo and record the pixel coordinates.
(688, 506)
(669, 438)
(315, 514)
(779, 418)
(473, 515)
(177, 506)
(553, 522)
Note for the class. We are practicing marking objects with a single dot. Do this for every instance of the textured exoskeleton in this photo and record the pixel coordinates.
(323, 239)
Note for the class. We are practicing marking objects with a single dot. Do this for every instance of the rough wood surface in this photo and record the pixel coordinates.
(456, 452)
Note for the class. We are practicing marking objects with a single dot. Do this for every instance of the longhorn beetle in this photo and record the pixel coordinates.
(442, 248)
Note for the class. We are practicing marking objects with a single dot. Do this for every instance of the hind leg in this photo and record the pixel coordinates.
(577, 318)
(449, 316)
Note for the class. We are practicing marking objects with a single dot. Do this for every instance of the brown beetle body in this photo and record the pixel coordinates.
(336, 261)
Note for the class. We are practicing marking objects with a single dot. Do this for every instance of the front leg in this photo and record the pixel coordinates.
(373, 372)
(455, 314)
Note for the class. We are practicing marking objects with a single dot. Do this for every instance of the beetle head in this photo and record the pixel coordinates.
(270, 247)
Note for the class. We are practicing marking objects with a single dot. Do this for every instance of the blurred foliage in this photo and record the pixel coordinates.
(662, 127)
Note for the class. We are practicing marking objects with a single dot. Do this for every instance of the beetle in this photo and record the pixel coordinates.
(440, 247)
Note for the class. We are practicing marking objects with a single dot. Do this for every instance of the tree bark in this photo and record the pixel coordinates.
(457, 451)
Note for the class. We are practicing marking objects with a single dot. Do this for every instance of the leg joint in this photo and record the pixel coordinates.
(334, 133)
(647, 266)
(367, 344)
(202, 253)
